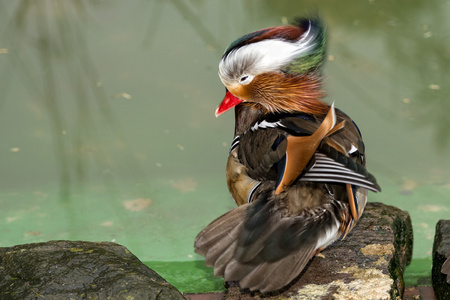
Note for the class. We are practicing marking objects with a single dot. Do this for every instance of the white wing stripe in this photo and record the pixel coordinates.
(340, 180)
(326, 169)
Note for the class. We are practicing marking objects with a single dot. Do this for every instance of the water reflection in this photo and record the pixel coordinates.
(193, 18)
(50, 56)
(114, 100)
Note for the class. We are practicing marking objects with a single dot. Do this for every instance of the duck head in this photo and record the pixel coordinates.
(276, 69)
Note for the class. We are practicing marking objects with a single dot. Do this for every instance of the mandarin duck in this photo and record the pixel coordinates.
(296, 167)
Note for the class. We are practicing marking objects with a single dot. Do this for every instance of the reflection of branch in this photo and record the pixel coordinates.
(197, 25)
(153, 24)
(50, 101)
(55, 29)
(189, 16)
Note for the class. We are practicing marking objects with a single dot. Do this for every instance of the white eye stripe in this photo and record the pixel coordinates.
(271, 56)
(268, 55)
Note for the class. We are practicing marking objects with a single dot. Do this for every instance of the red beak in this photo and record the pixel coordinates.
(228, 102)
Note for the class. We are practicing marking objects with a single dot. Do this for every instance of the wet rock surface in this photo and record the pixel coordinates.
(441, 256)
(78, 270)
(368, 264)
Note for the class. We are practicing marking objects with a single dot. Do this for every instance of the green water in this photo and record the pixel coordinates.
(107, 123)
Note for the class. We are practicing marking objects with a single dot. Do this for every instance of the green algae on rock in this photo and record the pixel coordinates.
(78, 270)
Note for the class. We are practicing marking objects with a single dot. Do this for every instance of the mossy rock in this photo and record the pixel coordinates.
(78, 270)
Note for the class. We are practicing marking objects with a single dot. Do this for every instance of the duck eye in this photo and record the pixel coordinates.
(245, 79)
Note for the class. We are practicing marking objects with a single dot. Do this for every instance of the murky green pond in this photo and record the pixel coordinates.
(107, 123)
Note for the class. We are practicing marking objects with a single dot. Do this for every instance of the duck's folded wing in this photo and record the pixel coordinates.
(330, 165)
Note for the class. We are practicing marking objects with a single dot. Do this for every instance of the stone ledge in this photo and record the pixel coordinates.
(78, 270)
(368, 264)
(441, 255)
